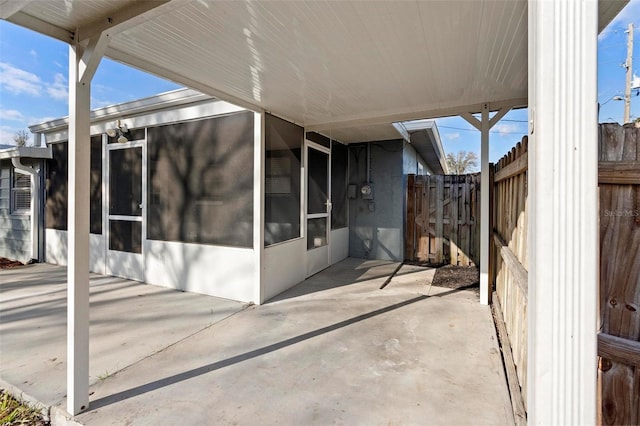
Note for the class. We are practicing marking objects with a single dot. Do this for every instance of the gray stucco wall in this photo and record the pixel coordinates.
(379, 222)
(377, 227)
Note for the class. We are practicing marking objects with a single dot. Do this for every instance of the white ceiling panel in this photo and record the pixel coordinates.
(325, 64)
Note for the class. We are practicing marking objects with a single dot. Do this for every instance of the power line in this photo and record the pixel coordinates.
(475, 130)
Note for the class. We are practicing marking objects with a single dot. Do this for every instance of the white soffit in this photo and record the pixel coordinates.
(324, 64)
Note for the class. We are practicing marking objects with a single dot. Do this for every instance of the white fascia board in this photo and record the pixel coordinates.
(437, 145)
(200, 110)
(8, 151)
(400, 128)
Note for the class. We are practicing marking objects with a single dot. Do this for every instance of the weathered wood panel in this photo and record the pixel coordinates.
(441, 218)
(619, 341)
(509, 260)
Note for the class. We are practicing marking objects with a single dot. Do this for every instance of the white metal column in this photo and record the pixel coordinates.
(78, 234)
(83, 63)
(484, 125)
(563, 220)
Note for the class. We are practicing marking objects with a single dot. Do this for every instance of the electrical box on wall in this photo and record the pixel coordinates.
(366, 190)
(352, 191)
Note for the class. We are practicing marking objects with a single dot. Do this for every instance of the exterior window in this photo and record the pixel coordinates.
(20, 193)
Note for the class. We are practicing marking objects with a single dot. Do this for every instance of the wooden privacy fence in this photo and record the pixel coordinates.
(442, 219)
(508, 268)
(619, 338)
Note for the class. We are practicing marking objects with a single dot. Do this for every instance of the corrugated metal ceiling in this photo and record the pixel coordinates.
(328, 65)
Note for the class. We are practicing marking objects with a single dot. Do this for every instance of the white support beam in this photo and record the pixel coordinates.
(42, 27)
(484, 125)
(497, 116)
(8, 8)
(78, 230)
(127, 17)
(472, 120)
(563, 215)
(485, 291)
(92, 56)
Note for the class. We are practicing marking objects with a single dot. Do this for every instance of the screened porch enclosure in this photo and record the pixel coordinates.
(177, 203)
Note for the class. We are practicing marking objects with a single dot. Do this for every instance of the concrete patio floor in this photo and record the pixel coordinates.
(334, 349)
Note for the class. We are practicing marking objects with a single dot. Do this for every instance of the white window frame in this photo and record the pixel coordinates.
(13, 190)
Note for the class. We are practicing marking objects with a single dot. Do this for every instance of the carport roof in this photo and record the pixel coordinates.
(349, 68)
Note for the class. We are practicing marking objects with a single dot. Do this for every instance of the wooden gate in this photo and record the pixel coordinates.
(619, 338)
(443, 223)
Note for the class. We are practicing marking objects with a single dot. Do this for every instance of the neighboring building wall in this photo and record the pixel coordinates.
(15, 227)
(376, 227)
(412, 162)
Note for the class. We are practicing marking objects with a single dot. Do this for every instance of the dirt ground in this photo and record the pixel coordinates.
(8, 263)
(456, 277)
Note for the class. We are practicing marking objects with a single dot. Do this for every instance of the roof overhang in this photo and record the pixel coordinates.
(162, 101)
(425, 138)
(350, 67)
(12, 151)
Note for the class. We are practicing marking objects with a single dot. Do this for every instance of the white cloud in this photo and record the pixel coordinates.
(505, 129)
(453, 136)
(6, 135)
(58, 89)
(18, 81)
(635, 83)
(33, 54)
(11, 114)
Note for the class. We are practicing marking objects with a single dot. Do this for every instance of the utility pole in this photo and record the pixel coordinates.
(627, 65)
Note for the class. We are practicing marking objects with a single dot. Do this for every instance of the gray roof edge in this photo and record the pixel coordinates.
(430, 130)
(14, 151)
(166, 100)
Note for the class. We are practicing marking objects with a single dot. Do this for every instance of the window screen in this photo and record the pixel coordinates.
(20, 193)
(96, 185)
(56, 188)
(57, 183)
(200, 180)
(338, 185)
(283, 142)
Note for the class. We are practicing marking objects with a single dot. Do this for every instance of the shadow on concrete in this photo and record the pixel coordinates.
(168, 381)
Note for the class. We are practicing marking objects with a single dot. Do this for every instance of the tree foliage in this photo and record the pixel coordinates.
(462, 162)
(21, 137)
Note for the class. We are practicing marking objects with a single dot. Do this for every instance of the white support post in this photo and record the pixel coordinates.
(484, 125)
(563, 216)
(78, 234)
(78, 229)
(485, 294)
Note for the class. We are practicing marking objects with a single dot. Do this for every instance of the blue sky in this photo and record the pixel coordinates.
(34, 70)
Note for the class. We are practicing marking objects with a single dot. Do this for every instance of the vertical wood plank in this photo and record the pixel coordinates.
(439, 218)
(453, 220)
(411, 223)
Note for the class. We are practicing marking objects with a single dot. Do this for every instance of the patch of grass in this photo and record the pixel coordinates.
(104, 375)
(14, 412)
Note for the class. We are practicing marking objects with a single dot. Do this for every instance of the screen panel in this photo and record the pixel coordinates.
(200, 180)
(283, 144)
